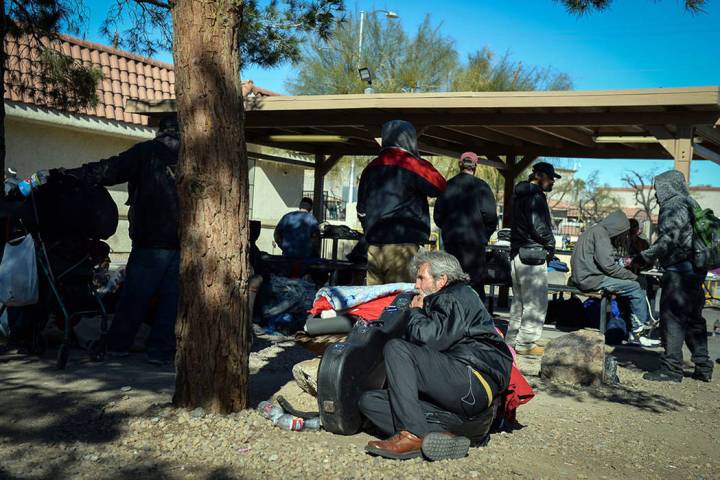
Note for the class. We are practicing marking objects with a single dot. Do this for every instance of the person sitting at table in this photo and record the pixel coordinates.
(595, 266)
(298, 233)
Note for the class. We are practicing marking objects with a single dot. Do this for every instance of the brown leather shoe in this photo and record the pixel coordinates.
(402, 446)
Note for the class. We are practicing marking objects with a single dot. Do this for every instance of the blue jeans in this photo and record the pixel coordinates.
(632, 292)
(150, 273)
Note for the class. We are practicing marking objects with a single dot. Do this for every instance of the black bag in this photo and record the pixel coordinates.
(66, 207)
(497, 270)
(532, 255)
(349, 368)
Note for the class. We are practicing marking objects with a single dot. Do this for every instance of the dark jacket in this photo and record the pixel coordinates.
(594, 256)
(149, 170)
(454, 321)
(674, 242)
(466, 211)
(531, 223)
(394, 189)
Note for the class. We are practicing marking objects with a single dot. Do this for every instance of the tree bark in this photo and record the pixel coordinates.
(3, 32)
(213, 328)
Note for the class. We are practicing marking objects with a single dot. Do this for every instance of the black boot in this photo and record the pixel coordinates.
(662, 376)
(703, 377)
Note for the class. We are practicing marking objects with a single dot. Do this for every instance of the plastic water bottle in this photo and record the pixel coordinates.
(268, 410)
(288, 422)
(29, 184)
(313, 423)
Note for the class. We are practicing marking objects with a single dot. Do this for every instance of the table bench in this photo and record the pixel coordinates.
(558, 291)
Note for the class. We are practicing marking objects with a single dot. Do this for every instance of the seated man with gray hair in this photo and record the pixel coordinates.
(446, 371)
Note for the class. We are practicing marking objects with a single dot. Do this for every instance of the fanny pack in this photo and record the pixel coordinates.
(532, 255)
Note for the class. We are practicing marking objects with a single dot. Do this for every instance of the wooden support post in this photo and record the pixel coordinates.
(679, 145)
(318, 187)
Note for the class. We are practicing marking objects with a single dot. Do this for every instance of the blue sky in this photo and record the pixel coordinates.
(634, 44)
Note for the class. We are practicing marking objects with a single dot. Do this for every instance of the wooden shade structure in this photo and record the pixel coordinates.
(509, 129)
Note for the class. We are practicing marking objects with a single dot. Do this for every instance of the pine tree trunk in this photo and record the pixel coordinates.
(3, 32)
(213, 328)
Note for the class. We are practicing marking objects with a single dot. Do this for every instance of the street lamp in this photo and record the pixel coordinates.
(388, 14)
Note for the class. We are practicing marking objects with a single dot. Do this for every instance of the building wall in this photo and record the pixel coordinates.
(276, 189)
(707, 198)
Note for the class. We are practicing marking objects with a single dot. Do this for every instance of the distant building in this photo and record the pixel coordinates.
(39, 137)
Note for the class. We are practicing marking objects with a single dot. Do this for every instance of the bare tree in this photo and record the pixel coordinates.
(595, 201)
(641, 184)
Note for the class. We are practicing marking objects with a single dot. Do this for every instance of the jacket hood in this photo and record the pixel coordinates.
(170, 139)
(400, 134)
(526, 188)
(616, 223)
(670, 184)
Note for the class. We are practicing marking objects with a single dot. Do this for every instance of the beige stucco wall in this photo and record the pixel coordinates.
(33, 146)
(706, 198)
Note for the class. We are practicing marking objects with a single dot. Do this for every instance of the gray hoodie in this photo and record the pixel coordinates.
(674, 242)
(593, 259)
(400, 134)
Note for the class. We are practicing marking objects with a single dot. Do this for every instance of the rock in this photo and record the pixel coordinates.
(198, 413)
(577, 358)
(305, 374)
(126, 389)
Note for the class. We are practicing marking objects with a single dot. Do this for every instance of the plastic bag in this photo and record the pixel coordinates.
(18, 273)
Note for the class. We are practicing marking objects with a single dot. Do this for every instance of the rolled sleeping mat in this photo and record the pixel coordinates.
(325, 326)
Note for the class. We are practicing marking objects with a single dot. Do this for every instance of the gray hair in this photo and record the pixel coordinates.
(439, 264)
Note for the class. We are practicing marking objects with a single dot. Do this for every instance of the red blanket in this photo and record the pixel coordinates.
(367, 311)
(519, 392)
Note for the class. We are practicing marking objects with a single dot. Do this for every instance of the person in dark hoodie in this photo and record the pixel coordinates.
(682, 299)
(595, 265)
(153, 268)
(393, 203)
(466, 213)
(446, 370)
(532, 244)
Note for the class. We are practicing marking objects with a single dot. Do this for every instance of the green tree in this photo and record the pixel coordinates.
(398, 60)
(483, 73)
(580, 7)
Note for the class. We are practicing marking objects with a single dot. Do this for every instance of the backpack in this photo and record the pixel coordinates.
(706, 239)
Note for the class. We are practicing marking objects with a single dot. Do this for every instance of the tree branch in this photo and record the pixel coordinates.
(156, 3)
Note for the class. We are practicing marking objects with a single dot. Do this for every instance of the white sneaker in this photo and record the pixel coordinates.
(649, 342)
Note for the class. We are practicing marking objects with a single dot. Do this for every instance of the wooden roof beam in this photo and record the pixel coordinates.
(569, 134)
(531, 135)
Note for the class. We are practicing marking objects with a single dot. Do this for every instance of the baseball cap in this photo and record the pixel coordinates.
(469, 159)
(546, 168)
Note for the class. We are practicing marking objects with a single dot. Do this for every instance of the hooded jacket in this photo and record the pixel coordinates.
(149, 170)
(532, 223)
(454, 321)
(593, 258)
(674, 242)
(394, 189)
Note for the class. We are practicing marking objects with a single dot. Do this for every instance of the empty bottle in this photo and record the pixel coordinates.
(27, 185)
(268, 410)
(288, 422)
(312, 423)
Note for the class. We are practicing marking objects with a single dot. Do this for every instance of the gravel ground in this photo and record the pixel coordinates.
(81, 424)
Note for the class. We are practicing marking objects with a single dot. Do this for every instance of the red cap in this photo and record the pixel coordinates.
(469, 159)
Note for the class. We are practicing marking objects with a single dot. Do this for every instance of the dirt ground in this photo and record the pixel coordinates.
(82, 423)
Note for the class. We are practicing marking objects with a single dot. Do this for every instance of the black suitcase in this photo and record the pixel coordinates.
(349, 368)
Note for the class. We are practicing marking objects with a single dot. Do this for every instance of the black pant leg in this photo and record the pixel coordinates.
(375, 406)
(696, 330)
(673, 312)
(414, 371)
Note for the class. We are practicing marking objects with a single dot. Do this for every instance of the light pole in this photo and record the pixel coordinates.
(388, 14)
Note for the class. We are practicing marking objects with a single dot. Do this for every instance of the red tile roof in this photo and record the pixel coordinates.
(125, 76)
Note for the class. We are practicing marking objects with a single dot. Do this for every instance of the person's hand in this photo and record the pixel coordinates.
(417, 301)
